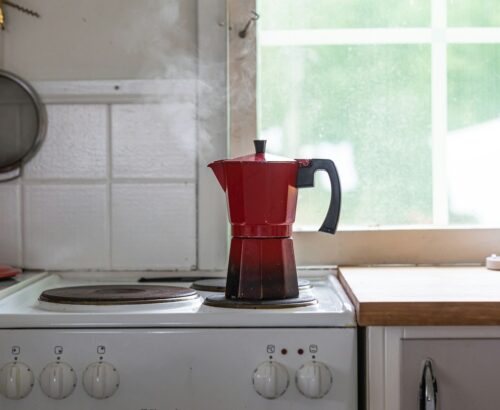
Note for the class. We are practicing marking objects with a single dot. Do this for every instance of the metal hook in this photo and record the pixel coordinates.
(2, 18)
(255, 17)
(21, 8)
(17, 7)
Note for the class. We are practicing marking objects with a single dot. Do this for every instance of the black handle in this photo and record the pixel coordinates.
(428, 388)
(305, 179)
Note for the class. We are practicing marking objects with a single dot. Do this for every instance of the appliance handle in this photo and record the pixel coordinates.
(305, 179)
(428, 390)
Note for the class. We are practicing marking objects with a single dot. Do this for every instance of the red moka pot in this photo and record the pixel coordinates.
(261, 191)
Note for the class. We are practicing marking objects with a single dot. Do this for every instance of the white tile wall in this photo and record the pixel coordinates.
(10, 224)
(113, 187)
(154, 140)
(75, 145)
(66, 226)
(153, 226)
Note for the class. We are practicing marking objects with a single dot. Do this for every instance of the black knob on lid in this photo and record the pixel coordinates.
(260, 146)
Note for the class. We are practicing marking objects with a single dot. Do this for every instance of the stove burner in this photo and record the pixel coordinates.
(221, 301)
(219, 285)
(117, 295)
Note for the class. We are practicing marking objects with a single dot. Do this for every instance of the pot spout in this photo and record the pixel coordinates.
(218, 169)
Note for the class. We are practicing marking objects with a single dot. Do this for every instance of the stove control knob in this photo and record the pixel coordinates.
(270, 379)
(314, 379)
(16, 380)
(100, 380)
(58, 380)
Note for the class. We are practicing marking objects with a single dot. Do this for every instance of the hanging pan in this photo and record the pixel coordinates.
(23, 124)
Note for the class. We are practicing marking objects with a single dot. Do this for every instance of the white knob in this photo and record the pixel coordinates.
(58, 380)
(100, 380)
(16, 380)
(314, 380)
(270, 379)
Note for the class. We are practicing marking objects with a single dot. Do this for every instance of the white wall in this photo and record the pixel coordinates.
(115, 183)
(102, 40)
(114, 186)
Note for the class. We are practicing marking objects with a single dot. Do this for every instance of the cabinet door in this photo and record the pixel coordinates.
(467, 373)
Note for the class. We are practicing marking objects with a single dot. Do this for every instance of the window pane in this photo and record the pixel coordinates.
(474, 133)
(368, 108)
(474, 13)
(321, 14)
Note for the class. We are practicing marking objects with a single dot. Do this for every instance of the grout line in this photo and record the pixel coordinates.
(154, 180)
(116, 91)
(197, 148)
(20, 244)
(109, 154)
(98, 181)
(104, 100)
(22, 210)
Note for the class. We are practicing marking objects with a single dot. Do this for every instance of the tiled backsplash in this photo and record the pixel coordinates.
(113, 187)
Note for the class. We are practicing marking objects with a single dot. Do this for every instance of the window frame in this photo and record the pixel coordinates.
(433, 245)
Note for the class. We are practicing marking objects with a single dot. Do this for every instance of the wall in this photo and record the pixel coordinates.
(102, 40)
(115, 183)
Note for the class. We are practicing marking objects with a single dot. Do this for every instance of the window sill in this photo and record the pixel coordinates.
(430, 246)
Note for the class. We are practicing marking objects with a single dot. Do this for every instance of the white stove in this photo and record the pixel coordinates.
(180, 355)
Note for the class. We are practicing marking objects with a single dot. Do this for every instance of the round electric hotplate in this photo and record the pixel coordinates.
(219, 285)
(117, 295)
(221, 301)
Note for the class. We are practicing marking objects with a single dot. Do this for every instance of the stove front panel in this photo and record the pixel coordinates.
(172, 369)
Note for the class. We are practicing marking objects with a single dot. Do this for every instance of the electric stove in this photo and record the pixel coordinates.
(143, 340)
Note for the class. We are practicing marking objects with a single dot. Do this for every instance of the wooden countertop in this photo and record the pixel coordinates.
(398, 296)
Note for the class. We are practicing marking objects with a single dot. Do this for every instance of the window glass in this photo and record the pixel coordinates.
(473, 141)
(474, 13)
(321, 14)
(351, 104)
(410, 116)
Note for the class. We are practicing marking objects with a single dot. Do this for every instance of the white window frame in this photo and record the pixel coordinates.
(434, 245)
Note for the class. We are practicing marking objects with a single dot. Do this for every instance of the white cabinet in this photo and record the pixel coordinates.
(465, 362)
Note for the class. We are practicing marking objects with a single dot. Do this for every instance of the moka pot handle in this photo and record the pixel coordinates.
(305, 179)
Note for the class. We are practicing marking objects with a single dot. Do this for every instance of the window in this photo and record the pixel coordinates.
(404, 95)
(423, 35)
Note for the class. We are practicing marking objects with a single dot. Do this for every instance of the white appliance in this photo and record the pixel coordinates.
(175, 356)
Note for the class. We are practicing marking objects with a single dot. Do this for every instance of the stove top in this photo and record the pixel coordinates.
(304, 299)
(179, 354)
(105, 295)
(43, 304)
(219, 284)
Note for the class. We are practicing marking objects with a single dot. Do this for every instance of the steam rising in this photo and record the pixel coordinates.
(165, 33)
